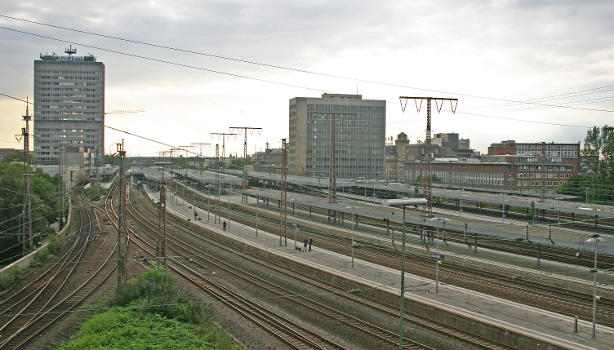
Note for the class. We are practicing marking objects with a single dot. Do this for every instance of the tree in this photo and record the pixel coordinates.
(45, 207)
(596, 179)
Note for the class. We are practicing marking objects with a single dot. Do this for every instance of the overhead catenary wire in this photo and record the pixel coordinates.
(298, 70)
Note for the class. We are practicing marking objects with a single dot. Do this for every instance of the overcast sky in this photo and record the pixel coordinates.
(506, 50)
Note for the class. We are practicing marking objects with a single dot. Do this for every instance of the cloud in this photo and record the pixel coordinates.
(510, 49)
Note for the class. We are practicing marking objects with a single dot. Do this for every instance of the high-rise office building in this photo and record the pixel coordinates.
(360, 129)
(68, 106)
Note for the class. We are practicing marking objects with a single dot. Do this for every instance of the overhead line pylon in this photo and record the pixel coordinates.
(428, 179)
(245, 130)
(26, 226)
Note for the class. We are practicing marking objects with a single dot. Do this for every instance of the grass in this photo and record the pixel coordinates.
(149, 312)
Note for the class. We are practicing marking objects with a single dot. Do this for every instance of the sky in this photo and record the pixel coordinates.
(529, 71)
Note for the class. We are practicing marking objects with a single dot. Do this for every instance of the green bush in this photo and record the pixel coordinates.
(149, 312)
(41, 257)
(11, 277)
(55, 244)
(93, 193)
(43, 254)
(122, 329)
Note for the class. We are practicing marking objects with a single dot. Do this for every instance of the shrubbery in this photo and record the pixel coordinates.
(93, 193)
(150, 313)
(43, 254)
(11, 277)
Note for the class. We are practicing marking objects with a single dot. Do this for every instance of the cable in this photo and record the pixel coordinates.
(183, 65)
(276, 66)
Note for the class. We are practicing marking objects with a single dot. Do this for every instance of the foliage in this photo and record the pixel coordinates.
(111, 159)
(123, 329)
(93, 193)
(236, 164)
(595, 182)
(43, 254)
(16, 156)
(149, 312)
(45, 206)
(10, 277)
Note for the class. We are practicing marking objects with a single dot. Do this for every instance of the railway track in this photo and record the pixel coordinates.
(527, 292)
(295, 335)
(519, 247)
(382, 337)
(523, 247)
(30, 310)
(543, 216)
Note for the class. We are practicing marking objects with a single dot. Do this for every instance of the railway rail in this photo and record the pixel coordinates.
(30, 310)
(287, 331)
(528, 292)
(382, 336)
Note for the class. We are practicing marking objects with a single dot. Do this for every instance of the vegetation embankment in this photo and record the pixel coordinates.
(149, 312)
(14, 274)
(45, 206)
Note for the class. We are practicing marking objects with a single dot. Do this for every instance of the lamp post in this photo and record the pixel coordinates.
(403, 203)
(438, 256)
(295, 229)
(594, 239)
(353, 224)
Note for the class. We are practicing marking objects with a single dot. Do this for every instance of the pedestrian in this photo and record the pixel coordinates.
(305, 245)
(224, 225)
(310, 243)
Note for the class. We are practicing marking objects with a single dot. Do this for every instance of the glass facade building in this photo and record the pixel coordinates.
(360, 127)
(68, 106)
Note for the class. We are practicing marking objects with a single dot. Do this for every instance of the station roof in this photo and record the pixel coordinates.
(487, 196)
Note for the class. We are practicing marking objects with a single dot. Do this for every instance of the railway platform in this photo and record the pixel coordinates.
(528, 321)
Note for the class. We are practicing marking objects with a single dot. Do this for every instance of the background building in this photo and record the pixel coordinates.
(360, 129)
(538, 165)
(68, 106)
(531, 167)
(268, 161)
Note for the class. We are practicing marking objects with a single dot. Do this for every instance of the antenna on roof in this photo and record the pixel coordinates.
(70, 50)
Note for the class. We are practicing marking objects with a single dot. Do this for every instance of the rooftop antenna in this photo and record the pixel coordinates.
(70, 50)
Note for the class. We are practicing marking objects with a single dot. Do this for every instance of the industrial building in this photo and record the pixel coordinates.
(527, 167)
(68, 106)
(358, 132)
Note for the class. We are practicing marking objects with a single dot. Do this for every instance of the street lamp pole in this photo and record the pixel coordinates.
(401, 306)
(403, 203)
(594, 239)
(353, 224)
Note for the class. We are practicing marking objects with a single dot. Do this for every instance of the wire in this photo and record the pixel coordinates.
(183, 65)
(298, 70)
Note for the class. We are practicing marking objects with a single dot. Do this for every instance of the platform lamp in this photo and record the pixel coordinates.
(594, 239)
(353, 224)
(404, 202)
